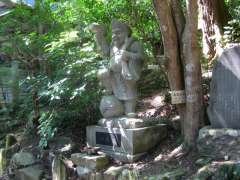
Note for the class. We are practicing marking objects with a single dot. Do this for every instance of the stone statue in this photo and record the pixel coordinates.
(120, 78)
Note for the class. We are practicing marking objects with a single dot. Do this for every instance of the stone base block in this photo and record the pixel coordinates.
(113, 173)
(122, 122)
(30, 173)
(127, 122)
(94, 162)
(126, 145)
(124, 157)
(219, 143)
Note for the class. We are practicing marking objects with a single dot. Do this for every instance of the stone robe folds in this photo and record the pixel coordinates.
(124, 75)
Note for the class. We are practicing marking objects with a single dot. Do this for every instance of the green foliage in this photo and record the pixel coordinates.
(229, 172)
(58, 53)
(232, 31)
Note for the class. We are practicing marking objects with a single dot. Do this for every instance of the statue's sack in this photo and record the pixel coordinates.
(131, 70)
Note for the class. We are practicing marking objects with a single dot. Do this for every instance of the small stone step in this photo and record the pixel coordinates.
(22, 159)
(113, 172)
(83, 173)
(94, 162)
(30, 173)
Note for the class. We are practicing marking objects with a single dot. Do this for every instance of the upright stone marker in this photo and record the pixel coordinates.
(224, 107)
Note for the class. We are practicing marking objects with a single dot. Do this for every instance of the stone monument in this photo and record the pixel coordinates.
(224, 106)
(221, 139)
(120, 134)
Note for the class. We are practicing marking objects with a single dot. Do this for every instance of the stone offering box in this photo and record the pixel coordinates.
(125, 139)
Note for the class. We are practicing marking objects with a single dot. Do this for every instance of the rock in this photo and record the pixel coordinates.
(92, 150)
(84, 173)
(203, 161)
(128, 174)
(12, 150)
(30, 173)
(204, 173)
(158, 101)
(61, 144)
(59, 171)
(113, 172)
(175, 174)
(219, 143)
(96, 176)
(4, 127)
(219, 171)
(94, 162)
(224, 109)
(3, 161)
(6, 155)
(22, 159)
(176, 123)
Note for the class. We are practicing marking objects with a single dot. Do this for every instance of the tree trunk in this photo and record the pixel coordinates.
(179, 18)
(214, 16)
(171, 47)
(182, 52)
(221, 13)
(193, 87)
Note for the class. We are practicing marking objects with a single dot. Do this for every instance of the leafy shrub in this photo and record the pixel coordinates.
(232, 31)
(59, 57)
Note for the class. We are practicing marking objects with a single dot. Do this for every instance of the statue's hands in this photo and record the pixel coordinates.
(125, 55)
(98, 29)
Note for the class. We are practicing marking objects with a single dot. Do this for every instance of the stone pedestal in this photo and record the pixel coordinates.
(125, 144)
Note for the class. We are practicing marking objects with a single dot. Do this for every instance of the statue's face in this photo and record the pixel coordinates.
(118, 37)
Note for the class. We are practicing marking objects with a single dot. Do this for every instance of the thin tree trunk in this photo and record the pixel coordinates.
(221, 13)
(179, 18)
(180, 22)
(171, 48)
(192, 75)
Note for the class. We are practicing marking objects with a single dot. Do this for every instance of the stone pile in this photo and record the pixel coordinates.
(97, 167)
(223, 144)
(26, 167)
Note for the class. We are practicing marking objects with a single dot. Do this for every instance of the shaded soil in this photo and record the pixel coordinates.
(155, 162)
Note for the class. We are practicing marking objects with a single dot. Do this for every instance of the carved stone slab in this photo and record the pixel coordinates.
(224, 107)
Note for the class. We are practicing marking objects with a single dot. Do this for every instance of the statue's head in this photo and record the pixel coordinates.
(120, 31)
